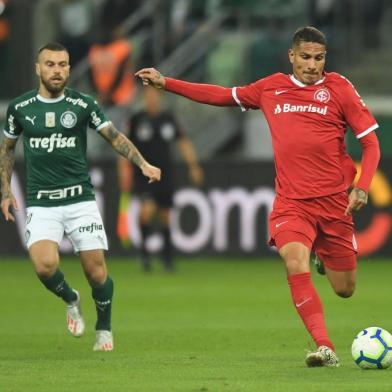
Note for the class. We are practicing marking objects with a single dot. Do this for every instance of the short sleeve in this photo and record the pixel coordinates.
(355, 111)
(249, 96)
(98, 120)
(12, 128)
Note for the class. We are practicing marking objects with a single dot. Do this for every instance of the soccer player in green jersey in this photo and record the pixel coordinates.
(60, 198)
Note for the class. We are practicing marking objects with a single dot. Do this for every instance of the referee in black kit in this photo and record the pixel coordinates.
(153, 130)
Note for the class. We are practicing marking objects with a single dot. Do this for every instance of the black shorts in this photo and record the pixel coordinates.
(160, 192)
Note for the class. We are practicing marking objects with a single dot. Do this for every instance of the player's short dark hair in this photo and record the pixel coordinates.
(53, 46)
(309, 34)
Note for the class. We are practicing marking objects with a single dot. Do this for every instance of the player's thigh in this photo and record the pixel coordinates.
(44, 255)
(335, 244)
(292, 231)
(296, 257)
(94, 265)
(44, 224)
(84, 226)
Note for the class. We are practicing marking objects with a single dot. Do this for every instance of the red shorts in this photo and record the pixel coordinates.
(320, 224)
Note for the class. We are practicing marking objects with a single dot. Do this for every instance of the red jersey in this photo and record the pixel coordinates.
(308, 124)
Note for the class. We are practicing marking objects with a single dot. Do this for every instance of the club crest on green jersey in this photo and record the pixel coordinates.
(68, 119)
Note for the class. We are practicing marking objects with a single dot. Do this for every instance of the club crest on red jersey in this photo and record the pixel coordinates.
(322, 95)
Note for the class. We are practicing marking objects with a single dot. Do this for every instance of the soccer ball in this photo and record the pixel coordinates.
(372, 348)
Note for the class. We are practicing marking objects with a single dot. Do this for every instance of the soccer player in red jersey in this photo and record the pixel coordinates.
(308, 113)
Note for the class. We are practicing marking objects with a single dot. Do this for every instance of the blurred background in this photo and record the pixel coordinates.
(226, 42)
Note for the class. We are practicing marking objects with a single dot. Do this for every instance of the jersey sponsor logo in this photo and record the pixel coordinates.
(91, 228)
(95, 119)
(50, 119)
(68, 119)
(288, 108)
(11, 124)
(278, 92)
(25, 103)
(31, 119)
(322, 95)
(63, 193)
(56, 140)
(77, 101)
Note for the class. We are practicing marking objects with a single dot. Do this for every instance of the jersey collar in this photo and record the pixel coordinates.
(300, 84)
(50, 100)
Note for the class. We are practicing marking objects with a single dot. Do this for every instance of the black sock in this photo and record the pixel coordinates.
(58, 286)
(167, 251)
(103, 296)
(144, 255)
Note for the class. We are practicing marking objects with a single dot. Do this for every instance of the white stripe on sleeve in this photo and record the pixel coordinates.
(9, 135)
(234, 94)
(103, 125)
(364, 133)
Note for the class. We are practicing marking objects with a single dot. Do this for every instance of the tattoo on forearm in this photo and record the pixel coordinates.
(124, 146)
(6, 165)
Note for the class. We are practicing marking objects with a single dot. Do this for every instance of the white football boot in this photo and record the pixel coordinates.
(323, 356)
(103, 341)
(75, 320)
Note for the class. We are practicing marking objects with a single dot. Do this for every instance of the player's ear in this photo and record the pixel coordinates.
(37, 69)
(291, 55)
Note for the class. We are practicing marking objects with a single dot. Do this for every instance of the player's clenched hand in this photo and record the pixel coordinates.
(7, 202)
(152, 172)
(357, 199)
(150, 76)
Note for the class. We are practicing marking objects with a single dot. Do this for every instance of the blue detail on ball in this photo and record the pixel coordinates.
(377, 361)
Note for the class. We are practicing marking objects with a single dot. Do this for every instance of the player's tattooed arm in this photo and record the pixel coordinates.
(357, 199)
(128, 150)
(7, 158)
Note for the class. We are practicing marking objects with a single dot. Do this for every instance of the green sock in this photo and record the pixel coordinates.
(102, 296)
(58, 286)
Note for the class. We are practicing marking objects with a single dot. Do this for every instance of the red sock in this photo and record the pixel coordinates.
(309, 307)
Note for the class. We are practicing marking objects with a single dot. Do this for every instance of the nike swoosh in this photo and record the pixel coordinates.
(280, 224)
(278, 92)
(303, 302)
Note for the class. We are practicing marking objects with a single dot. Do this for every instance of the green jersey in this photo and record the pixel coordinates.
(55, 141)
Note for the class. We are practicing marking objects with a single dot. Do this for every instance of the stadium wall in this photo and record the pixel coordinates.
(227, 216)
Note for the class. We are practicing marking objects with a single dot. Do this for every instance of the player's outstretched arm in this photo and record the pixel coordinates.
(204, 93)
(128, 150)
(152, 77)
(7, 158)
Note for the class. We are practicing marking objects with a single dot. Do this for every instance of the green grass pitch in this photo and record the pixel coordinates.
(214, 326)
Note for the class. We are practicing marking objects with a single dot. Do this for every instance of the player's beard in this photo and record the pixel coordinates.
(54, 88)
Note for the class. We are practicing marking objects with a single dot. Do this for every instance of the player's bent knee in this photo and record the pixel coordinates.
(45, 269)
(346, 290)
(96, 275)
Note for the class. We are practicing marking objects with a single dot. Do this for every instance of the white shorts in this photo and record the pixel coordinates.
(81, 222)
